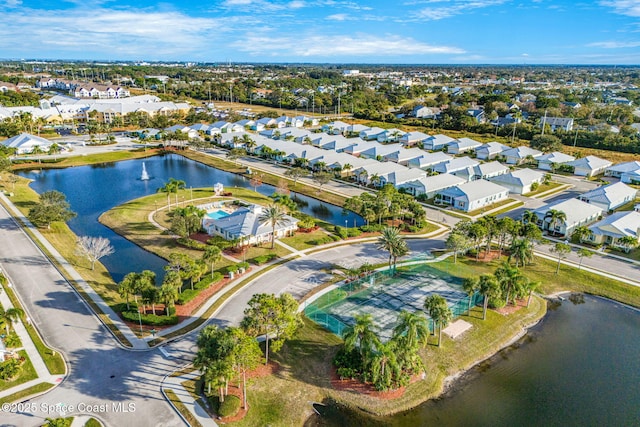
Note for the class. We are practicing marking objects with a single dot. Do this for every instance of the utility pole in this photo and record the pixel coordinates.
(544, 121)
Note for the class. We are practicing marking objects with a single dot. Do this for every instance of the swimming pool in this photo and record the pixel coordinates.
(217, 214)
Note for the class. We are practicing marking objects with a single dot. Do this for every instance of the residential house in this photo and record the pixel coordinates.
(355, 129)
(25, 143)
(429, 160)
(436, 142)
(456, 164)
(490, 150)
(422, 112)
(462, 145)
(615, 227)
(632, 177)
(515, 156)
(473, 195)
(401, 175)
(519, 181)
(337, 143)
(430, 185)
(185, 130)
(335, 128)
(550, 161)
(611, 196)
(200, 127)
(371, 133)
(390, 135)
(410, 139)
(246, 123)
(627, 168)
(403, 155)
(368, 174)
(564, 123)
(577, 213)
(589, 166)
(477, 114)
(483, 171)
(246, 224)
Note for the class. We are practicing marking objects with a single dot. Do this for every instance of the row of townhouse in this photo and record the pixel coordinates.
(590, 210)
(83, 89)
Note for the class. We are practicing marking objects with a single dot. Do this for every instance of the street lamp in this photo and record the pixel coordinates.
(140, 320)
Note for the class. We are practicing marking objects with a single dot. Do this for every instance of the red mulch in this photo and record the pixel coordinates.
(508, 309)
(357, 386)
(486, 257)
(234, 389)
(200, 237)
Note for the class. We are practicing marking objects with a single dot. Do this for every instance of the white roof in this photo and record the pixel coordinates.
(492, 147)
(575, 210)
(489, 168)
(430, 159)
(381, 168)
(456, 164)
(465, 143)
(414, 136)
(556, 157)
(438, 182)
(618, 224)
(521, 152)
(590, 162)
(478, 189)
(609, 193)
(405, 154)
(401, 176)
(25, 142)
(440, 139)
(521, 177)
(625, 167)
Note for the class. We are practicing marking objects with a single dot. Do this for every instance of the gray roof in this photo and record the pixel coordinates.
(248, 222)
(625, 167)
(618, 224)
(609, 193)
(475, 190)
(455, 164)
(521, 177)
(521, 152)
(590, 162)
(556, 157)
(575, 210)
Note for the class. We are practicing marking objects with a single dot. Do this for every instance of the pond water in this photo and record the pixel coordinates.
(579, 367)
(92, 190)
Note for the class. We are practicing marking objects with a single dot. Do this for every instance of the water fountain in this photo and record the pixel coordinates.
(145, 175)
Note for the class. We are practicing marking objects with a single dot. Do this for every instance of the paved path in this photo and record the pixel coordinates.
(175, 385)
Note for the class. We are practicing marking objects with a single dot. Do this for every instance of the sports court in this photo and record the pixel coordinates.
(383, 297)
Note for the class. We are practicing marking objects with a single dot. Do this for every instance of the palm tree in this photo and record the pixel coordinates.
(522, 250)
(583, 252)
(375, 180)
(581, 233)
(362, 334)
(628, 243)
(172, 187)
(509, 279)
(212, 255)
(125, 287)
(531, 287)
(173, 279)
(439, 312)
(413, 326)
(529, 217)
(9, 316)
(488, 286)
(470, 286)
(391, 241)
(346, 168)
(555, 218)
(384, 366)
(274, 216)
(167, 294)
(561, 250)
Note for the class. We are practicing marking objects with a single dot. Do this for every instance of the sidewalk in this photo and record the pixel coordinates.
(29, 347)
(137, 343)
(175, 385)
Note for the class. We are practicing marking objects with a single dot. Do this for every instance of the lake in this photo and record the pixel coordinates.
(579, 367)
(94, 189)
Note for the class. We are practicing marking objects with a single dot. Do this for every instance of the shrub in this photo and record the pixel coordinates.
(243, 264)
(208, 281)
(496, 302)
(306, 222)
(230, 406)
(12, 340)
(353, 232)
(219, 242)
(422, 198)
(9, 369)
(191, 244)
(348, 362)
(261, 259)
(341, 232)
(232, 268)
(371, 228)
(149, 319)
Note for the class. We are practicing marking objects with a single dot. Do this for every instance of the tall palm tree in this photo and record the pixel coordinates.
(274, 216)
(554, 218)
(391, 241)
(212, 255)
(167, 294)
(413, 326)
(509, 278)
(346, 168)
(488, 286)
(172, 187)
(8, 317)
(529, 217)
(628, 243)
(362, 335)
(384, 366)
(470, 285)
(581, 233)
(439, 312)
(522, 250)
(531, 287)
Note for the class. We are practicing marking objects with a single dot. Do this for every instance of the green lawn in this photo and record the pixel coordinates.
(22, 394)
(628, 206)
(544, 187)
(302, 241)
(493, 206)
(112, 156)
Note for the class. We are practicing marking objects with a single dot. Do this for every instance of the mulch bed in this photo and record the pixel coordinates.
(509, 309)
(357, 386)
(485, 257)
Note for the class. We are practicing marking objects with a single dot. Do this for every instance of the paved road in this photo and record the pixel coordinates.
(100, 372)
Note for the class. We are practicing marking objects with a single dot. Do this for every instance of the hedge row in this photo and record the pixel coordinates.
(149, 319)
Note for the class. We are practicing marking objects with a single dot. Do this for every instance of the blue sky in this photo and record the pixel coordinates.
(336, 31)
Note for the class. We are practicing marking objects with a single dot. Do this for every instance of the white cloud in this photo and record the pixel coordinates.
(338, 17)
(11, 3)
(614, 45)
(623, 7)
(341, 46)
(111, 33)
(456, 7)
